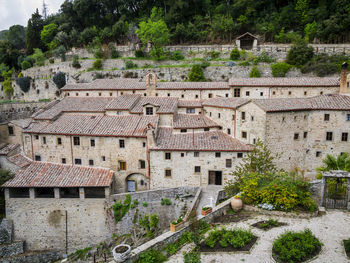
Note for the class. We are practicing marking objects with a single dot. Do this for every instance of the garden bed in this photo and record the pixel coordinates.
(229, 249)
(233, 217)
(346, 244)
(268, 224)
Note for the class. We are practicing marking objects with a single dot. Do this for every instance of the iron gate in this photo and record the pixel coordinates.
(336, 193)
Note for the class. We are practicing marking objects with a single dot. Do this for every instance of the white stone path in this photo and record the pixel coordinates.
(330, 229)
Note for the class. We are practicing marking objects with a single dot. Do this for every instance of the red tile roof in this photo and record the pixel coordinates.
(20, 160)
(89, 125)
(165, 104)
(229, 103)
(108, 84)
(201, 141)
(190, 121)
(322, 102)
(42, 174)
(123, 102)
(189, 104)
(284, 82)
(5, 149)
(192, 85)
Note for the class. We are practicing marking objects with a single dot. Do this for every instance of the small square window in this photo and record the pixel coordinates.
(190, 110)
(37, 158)
(243, 116)
(37, 136)
(296, 136)
(252, 118)
(59, 141)
(143, 144)
(121, 93)
(149, 110)
(329, 136)
(77, 161)
(11, 131)
(261, 94)
(182, 96)
(289, 93)
(318, 154)
(326, 117)
(168, 94)
(121, 144)
(244, 135)
(348, 117)
(247, 93)
(167, 173)
(76, 140)
(273, 92)
(64, 160)
(239, 155)
(305, 135)
(218, 154)
(44, 140)
(196, 96)
(210, 95)
(122, 165)
(100, 94)
(344, 137)
(87, 94)
(167, 156)
(183, 130)
(305, 93)
(321, 93)
(103, 158)
(156, 94)
(182, 154)
(91, 162)
(219, 115)
(226, 95)
(228, 163)
(110, 94)
(229, 131)
(92, 142)
(142, 164)
(197, 169)
(196, 154)
(144, 94)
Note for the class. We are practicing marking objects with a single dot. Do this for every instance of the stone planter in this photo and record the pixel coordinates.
(177, 227)
(121, 256)
(236, 204)
(207, 211)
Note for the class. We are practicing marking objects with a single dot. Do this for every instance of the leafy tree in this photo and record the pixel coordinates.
(26, 65)
(97, 64)
(76, 63)
(62, 39)
(60, 52)
(38, 57)
(8, 89)
(254, 73)
(48, 33)
(196, 73)
(34, 27)
(17, 36)
(280, 69)
(23, 83)
(299, 54)
(340, 162)
(235, 55)
(8, 54)
(59, 79)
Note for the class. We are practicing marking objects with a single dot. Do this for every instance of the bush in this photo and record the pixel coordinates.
(8, 89)
(98, 53)
(321, 69)
(299, 54)
(280, 69)
(26, 65)
(139, 53)
(177, 56)
(234, 55)
(214, 54)
(23, 83)
(347, 246)
(237, 238)
(254, 73)
(205, 64)
(166, 201)
(114, 53)
(296, 246)
(76, 63)
(59, 79)
(60, 52)
(52, 60)
(158, 53)
(264, 58)
(196, 73)
(129, 64)
(97, 64)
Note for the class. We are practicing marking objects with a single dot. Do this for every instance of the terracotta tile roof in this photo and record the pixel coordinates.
(23, 123)
(89, 125)
(20, 160)
(230, 103)
(42, 174)
(71, 104)
(201, 141)
(322, 102)
(189, 104)
(188, 121)
(284, 82)
(192, 85)
(6, 149)
(165, 104)
(123, 102)
(108, 84)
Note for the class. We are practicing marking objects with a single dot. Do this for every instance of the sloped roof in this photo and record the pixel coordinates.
(189, 103)
(5, 149)
(246, 34)
(285, 82)
(192, 85)
(166, 104)
(43, 174)
(229, 103)
(123, 102)
(190, 121)
(20, 160)
(107, 84)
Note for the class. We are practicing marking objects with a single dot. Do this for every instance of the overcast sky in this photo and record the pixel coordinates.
(17, 12)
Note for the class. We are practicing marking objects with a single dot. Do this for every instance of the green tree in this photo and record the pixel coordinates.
(300, 53)
(155, 31)
(25, 65)
(254, 73)
(340, 162)
(196, 73)
(48, 33)
(38, 56)
(59, 79)
(60, 52)
(235, 55)
(17, 36)
(8, 89)
(34, 27)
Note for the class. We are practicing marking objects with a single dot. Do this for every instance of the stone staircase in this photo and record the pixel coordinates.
(12, 251)
(209, 196)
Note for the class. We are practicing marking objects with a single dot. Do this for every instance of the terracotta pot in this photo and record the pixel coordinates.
(177, 227)
(236, 204)
(206, 212)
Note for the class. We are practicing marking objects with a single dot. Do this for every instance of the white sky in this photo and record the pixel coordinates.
(17, 12)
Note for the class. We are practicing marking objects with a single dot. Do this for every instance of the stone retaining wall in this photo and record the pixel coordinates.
(19, 110)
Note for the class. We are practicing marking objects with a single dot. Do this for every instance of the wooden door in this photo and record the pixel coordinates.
(212, 176)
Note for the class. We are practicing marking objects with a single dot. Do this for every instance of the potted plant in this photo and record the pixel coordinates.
(236, 203)
(177, 224)
(206, 210)
(121, 253)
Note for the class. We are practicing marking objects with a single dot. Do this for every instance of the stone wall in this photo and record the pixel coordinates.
(19, 110)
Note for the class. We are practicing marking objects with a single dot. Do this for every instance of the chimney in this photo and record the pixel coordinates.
(343, 79)
(151, 135)
(151, 81)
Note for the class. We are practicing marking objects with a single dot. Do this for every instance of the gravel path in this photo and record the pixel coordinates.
(330, 229)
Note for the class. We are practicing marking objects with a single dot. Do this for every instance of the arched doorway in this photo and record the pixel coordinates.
(136, 182)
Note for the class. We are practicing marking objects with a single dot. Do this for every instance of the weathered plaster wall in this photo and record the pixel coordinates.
(20, 110)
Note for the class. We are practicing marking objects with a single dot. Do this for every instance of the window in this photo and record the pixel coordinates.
(196, 154)
(289, 93)
(122, 165)
(329, 136)
(182, 154)
(296, 136)
(11, 132)
(206, 129)
(254, 141)
(167, 156)
(76, 94)
(210, 95)
(91, 162)
(244, 135)
(144, 94)
(218, 154)
(92, 142)
(119, 112)
(142, 164)
(273, 92)
(261, 94)
(44, 140)
(197, 169)
(100, 94)
(226, 95)
(103, 158)
(64, 160)
(228, 163)
(228, 131)
(196, 96)
(305, 135)
(76, 140)
(326, 117)
(44, 192)
(219, 115)
(247, 93)
(121, 93)
(239, 155)
(183, 130)
(321, 93)
(237, 92)
(348, 117)
(252, 118)
(182, 96)
(143, 144)
(305, 93)
(190, 110)
(168, 94)
(210, 114)
(121, 144)
(149, 110)
(156, 94)
(344, 137)
(167, 173)
(318, 154)
(59, 141)
(37, 158)
(243, 116)
(37, 136)
(87, 94)
(110, 94)
(77, 161)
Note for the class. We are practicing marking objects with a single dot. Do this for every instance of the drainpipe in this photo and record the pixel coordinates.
(71, 149)
(66, 232)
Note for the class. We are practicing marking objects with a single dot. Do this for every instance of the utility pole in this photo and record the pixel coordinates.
(45, 10)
